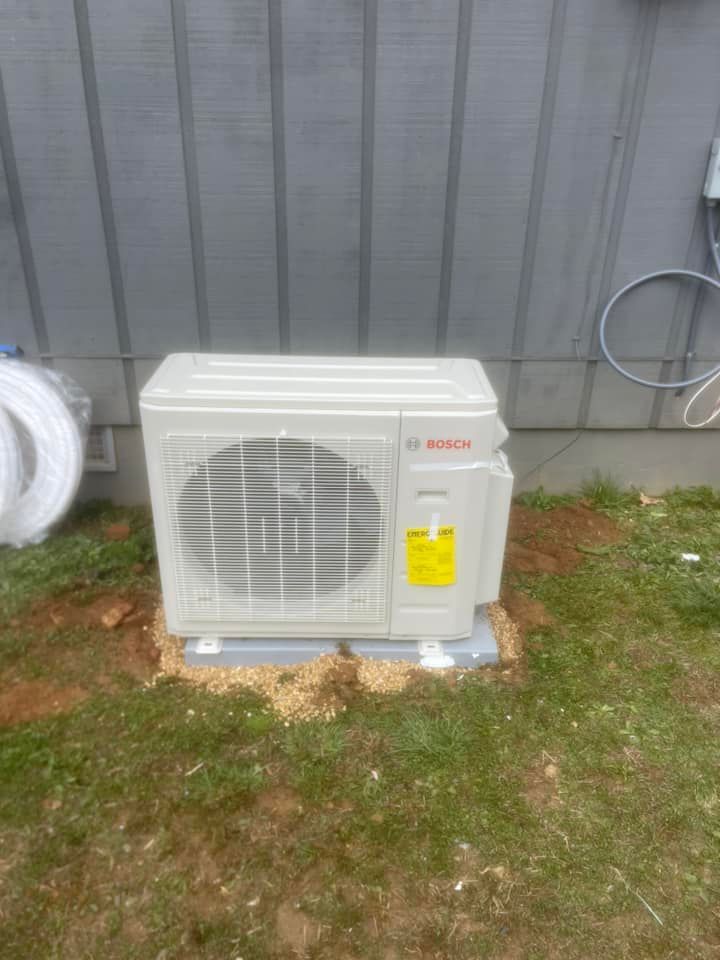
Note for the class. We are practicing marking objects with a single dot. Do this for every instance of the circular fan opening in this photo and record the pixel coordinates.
(307, 526)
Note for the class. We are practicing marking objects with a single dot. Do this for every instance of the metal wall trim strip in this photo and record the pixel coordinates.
(367, 161)
(647, 46)
(537, 190)
(277, 100)
(462, 62)
(17, 208)
(102, 177)
(192, 177)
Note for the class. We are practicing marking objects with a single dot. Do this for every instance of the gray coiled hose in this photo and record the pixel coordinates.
(688, 274)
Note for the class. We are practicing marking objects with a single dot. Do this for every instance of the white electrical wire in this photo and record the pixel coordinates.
(714, 413)
(38, 427)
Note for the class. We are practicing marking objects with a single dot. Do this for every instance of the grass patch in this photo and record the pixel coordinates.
(480, 818)
(604, 491)
(78, 555)
(539, 499)
(430, 741)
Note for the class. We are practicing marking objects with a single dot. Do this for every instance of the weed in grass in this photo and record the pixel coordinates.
(604, 492)
(540, 500)
(424, 739)
(697, 600)
(217, 784)
(313, 741)
(313, 749)
(695, 498)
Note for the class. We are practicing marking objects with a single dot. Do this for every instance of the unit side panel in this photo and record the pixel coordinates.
(442, 482)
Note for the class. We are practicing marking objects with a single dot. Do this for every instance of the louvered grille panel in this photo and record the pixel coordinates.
(286, 528)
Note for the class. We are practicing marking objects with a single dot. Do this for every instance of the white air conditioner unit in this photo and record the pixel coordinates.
(303, 501)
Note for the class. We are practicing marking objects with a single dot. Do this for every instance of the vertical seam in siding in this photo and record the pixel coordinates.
(17, 208)
(647, 46)
(102, 178)
(537, 190)
(367, 160)
(685, 304)
(277, 100)
(183, 80)
(611, 179)
(688, 304)
(462, 60)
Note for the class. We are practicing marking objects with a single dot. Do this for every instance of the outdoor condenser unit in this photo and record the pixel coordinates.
(300, 502)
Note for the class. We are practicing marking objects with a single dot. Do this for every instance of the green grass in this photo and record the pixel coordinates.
(428, 740)
(533, 817)
(76, 556)
(538, 499)
(604, 491)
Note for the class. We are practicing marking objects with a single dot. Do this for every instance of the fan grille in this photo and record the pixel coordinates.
(279, 528)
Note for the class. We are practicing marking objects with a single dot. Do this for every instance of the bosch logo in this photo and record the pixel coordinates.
(448, 444)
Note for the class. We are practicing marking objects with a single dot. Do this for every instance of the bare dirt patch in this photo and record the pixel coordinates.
(106, 609)
(119, 621)
(698, 689)
(526, 612)
(541, 785)
(294, 929)
(281, 803)
(556, 541)
(26, 700)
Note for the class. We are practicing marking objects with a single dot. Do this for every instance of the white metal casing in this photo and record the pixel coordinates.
(422, 433)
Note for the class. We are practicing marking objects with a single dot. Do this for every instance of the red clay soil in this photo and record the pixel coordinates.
(106, 610)
(31, 699)
(123, 619)
(547, 541)
(119, 631)
(529, 614)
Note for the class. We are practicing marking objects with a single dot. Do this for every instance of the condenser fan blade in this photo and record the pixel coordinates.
(285, 518)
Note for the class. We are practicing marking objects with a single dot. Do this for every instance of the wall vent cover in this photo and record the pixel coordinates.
(100, 450)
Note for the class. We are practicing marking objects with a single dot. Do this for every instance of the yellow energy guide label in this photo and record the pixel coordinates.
(430, 556)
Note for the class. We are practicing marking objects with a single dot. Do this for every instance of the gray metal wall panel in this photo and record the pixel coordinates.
(105, 383)
(619, 403)
(708, 330)
(322, 65)
(505, 84)
(230, 70)
(16, 322)
(46, 107)
(581, 174)
(414, 90)
(674, 407)
(191, 172)
(144, 369)
(549, 393)
(678, 121)
(135, 69)
(497, 372)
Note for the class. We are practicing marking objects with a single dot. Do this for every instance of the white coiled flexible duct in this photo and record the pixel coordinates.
(36, 412)
(11, 472)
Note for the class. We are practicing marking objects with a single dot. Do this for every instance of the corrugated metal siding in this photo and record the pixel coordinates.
(383, 176)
